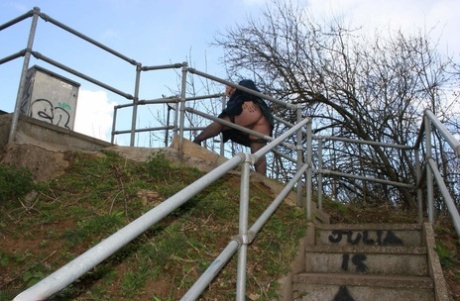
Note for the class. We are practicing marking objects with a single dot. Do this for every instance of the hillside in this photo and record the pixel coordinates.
(100, 192)
(79, 198)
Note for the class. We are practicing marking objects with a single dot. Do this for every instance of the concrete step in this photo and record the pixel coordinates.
(367, 259)
(343, 287)
(369, 234)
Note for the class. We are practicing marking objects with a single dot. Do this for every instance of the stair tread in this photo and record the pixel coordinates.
(390, 250)
(391, 281)
(415, 227)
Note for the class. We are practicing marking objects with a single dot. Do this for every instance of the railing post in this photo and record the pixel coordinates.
(114, 122)
(136, 102)
(299, 157)
(418, 177)
(168, 117)
(308, 179)
(182, 106)
(320, 175)
(243, 230)
(222, 145)
(25, 67)
(429, 175)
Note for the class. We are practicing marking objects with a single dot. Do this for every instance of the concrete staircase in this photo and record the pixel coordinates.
(378, 262)
(336, 262)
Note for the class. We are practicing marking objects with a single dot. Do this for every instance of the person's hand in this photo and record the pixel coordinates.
(229, 90)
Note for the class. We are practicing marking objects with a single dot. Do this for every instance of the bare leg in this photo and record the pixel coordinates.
(211, 130)
(261, 164)
(252, 118)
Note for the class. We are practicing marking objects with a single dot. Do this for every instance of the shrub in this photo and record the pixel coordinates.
(14, 182)
(159, 166)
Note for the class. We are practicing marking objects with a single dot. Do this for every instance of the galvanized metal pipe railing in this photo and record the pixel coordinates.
(229, 124)
(35, 13)
(418, 176)
(138, 66)
(88, 260)
(300, 152)
(200, 285)
(308, 173)
(326, 172)
(243, 229)
(114, 123)
(264, 217)
(454, 144)
(135, 104)
(163, 100)
(87, 39)
(212, 271)
(28, 14)
(25, 67)
(446, 195)
(181, 110)
(430, 120)
(429, 174)
(320, 175)
(160, 67)
(240, 128)
(140, 102)
(13, 56)
(223, 105)
(367, 142)
(242, 88)
(151, 129)
(50, 61)
(214, 268)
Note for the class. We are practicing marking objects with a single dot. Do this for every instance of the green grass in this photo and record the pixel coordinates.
(99, 194)
(14, 183)
(445, 255)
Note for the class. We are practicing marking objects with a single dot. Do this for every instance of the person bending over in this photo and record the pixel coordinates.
(246, 110)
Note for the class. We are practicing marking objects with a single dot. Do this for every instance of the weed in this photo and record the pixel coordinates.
(445, 255)
(14, 183)
(159, 167)
(133, 281)
(31, 277)
(98, 195)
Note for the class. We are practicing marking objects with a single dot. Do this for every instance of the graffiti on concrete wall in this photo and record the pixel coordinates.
(343, 294)
(383, 238)
(357, 262)
(44, 109)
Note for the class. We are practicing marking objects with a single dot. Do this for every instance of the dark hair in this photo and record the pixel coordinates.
(247, 83)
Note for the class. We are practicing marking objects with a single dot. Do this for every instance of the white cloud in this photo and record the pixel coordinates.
(94, 114)
(436, 18)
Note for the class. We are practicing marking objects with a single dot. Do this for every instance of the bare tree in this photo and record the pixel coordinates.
(351, 86)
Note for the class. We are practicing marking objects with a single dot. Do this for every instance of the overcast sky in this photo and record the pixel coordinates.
(158, 32)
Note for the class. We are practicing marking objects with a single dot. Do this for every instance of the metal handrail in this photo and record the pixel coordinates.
(86, 261)
(446, 195)
(18, 19)
(40, 56)
(89, 259)
(429, 121)
(209, 274)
